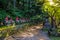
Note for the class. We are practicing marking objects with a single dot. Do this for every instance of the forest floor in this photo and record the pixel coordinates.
(33, 33)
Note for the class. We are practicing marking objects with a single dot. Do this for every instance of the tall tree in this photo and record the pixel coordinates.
(52, 10)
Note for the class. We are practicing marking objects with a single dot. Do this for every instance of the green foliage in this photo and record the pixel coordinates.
(20, 8)
(3, 14)
(52, 10)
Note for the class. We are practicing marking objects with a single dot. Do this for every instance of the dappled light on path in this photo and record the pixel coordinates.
(27, 35)
(41, 39)
(33, 33)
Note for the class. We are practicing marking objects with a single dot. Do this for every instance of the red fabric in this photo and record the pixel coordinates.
(6, 18)
(17, 18)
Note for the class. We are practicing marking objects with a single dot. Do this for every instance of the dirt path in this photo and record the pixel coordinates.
(32, 34)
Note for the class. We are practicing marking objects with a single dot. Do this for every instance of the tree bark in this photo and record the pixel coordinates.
(53, 22)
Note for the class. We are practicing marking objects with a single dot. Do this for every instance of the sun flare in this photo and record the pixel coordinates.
(51, 2)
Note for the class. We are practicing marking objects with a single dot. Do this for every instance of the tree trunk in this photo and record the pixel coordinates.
(53, 22)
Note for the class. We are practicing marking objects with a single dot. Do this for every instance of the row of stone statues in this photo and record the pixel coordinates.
(10, 21)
